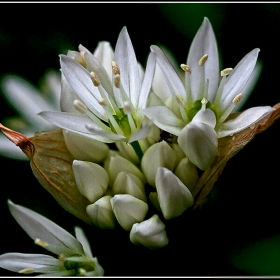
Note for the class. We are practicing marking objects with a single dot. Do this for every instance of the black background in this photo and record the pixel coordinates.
(244, 204)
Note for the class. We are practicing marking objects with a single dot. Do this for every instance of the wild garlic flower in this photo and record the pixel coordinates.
(111, 91)
(28, 101)
(74, 254)
(199, 108)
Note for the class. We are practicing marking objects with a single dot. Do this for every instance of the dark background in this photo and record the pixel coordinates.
(244, 205)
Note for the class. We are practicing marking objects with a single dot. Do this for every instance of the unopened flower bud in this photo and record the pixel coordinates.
(150, 233)
(187, 172)
(173, 196)
(127, 183)
(158, 155)
(101, 213)
(117, 164)
(84, 148)
(128, 210)
(92, 179)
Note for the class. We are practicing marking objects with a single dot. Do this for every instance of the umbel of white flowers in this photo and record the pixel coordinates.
(74, 254)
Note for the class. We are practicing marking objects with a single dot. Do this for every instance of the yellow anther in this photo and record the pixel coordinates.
(80, 106)
(115, 68)
(27, 270)
(204, 101)
(117, 80)
(62, 257)
(41, 243)
(202, 61)
(186, 68)
(226, 71)
(180, 99)
(95, 79)
(237, 99)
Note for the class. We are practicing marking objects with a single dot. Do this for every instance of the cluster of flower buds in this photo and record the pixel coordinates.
(140, 138)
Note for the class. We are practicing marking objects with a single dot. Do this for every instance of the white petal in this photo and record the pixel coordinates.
(37, 226)
(79, 79)
(104, 53)
(127, 63)
(206, 116)
(243, 120)
(68, 96)
(238, 78)
(141, 133)
(203, 43)
(147, 82)
(199, 141)
(26, 99)
(80, 235)
(173, 196)
(18, 261)
(248, 89)
(164, 118)
(174, 82)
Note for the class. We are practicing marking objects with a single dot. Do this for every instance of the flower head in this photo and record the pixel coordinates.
(74, 254)
(104, 94)
(198, 109)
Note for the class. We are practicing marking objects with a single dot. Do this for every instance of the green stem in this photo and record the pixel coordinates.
(136, 146)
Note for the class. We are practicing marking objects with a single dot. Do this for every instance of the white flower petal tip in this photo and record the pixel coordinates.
(243, 120)
(128, 210)
(92, 180)
(199, 142)
(149, 233)
(101, 213)
(173, 196)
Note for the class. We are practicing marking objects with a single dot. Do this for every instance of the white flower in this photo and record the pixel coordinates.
(74, 254)
(28, 101)
(107, 108)
(198, 110)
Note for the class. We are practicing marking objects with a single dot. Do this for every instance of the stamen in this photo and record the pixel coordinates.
(117, 81)
(202, 61)
(186, 68)
(80, 106)
(237, 99)
(226, 71)
(27, 270)
(102, 102)
(41, 243)
(95, 79)
(62, 257)
(115, 68)
(180, 99)
(126, 107)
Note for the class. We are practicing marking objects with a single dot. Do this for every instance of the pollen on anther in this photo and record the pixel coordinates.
(237, 99)
(202, 61)
(95, 79)
(102, 102)
(115, 68)
(226, 71)
(186, 68)
(80, 106)
(117, 80)
(27, 270)
(41, 243)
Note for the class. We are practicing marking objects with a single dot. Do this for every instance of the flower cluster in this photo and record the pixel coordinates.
(141, 137)
(74, 254)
